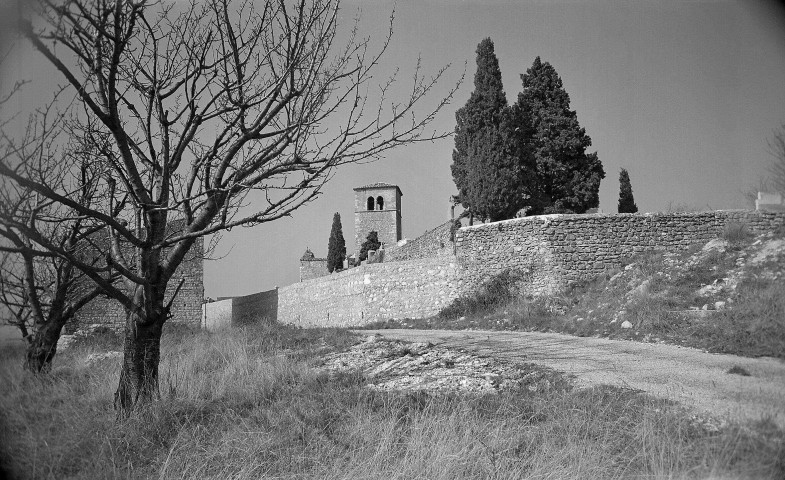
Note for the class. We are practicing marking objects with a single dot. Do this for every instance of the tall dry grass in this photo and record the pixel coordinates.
(248, 404)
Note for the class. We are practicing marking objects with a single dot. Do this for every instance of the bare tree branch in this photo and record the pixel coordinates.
(186, 109)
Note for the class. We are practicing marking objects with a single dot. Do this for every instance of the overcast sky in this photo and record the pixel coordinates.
(683, 94)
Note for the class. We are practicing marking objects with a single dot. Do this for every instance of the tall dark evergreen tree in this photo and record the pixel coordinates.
(371, 243)
(336, 247)
(626, 201)
(568, 179)
(488, 168)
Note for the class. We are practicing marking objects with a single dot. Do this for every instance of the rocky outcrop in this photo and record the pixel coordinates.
(423, 367)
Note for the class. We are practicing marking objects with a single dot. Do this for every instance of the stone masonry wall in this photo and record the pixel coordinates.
(313, 268)
(386, 222)
(217, 315)
(187, 308)
(238, 311)
(262, 306)
(369, 293)
(555, 250)
(381, 221)
(560, 249)
(433, 243)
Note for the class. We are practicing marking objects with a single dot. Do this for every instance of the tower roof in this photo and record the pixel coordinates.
(376, 185)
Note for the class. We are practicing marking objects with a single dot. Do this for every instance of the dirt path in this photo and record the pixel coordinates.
(686, 375)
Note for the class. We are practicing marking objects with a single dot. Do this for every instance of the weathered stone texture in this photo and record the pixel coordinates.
(187, 308)
(555, 250)
(560, 249)
(254, 308)
(379, 291)
(244, 310)
(313, 268)
(433, 243)
(386, 221)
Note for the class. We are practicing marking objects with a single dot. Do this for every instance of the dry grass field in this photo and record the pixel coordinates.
(248, 403)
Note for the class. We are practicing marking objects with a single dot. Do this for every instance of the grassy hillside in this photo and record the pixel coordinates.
(725, 296)
(248, 403)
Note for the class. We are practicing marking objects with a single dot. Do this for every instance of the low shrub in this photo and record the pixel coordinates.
(754, 327)
(498, 290)
(737, 370)
(734, 232)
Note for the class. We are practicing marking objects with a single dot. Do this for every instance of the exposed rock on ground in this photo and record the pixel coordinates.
(688, 376)
(393, 365)
(718, 266)
(85, 332)
(95, 358)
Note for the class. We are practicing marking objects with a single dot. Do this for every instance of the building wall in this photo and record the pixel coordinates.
(556, 250)
(369, 293)
(259, 307)
(387, 222)
(217, 315)
(238, 311)
(383, 222)
(553, 249)
(187, 308)
(313, 268)
(433, 243)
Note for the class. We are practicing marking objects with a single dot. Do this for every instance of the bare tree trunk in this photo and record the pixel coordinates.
(42, 348)
(141, 354)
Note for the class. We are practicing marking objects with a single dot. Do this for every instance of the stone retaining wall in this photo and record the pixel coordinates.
(313, 268)
(186, 309)
(433, 243)
(237, 311)
(559, 249)
(555, 250)
(217, 315)
(369, 293)
(254, 308)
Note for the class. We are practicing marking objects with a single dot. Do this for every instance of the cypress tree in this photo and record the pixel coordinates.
(626, 201)
(336, 247)
(371, 243)
(488, 168)
(568, 179)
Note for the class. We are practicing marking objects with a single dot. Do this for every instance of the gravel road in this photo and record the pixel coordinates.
(689, 376)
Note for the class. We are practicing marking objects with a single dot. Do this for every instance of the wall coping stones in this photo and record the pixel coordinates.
(370, 267)
(577, 217)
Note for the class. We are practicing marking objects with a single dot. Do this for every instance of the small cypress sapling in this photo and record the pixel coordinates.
(336, 247)
(626, 200)
(371, 243)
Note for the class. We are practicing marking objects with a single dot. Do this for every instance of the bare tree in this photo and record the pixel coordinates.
(774, 180)
(40, 289)
(41, 294)
(776, 167)
(217, 115)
